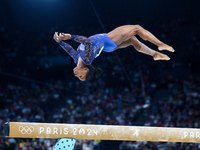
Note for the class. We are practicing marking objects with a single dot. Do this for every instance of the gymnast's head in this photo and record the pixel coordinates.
(87, 72)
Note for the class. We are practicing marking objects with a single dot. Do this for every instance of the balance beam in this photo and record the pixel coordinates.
(101, 132)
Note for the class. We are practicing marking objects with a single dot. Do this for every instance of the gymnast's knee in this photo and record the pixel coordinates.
(137, 28)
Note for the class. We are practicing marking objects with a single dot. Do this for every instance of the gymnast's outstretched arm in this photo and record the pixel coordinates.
(81, 39)
(68, 48)
(78, 38)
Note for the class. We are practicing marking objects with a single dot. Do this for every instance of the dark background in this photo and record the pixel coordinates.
(38, 15)
(172, 21)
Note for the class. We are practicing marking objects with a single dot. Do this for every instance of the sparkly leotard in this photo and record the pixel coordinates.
(90, 48)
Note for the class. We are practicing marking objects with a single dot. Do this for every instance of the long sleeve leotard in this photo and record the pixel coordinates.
(88, 49)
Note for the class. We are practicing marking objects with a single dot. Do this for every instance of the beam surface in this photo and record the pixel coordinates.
(102, 132)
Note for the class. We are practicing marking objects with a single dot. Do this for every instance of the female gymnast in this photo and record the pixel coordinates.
(120, 37)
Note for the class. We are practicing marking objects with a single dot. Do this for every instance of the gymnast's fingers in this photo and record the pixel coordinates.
(56, 37)
(55, 34)
(62, 37)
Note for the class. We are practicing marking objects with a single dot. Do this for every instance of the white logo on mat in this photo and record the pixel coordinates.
(26, 129)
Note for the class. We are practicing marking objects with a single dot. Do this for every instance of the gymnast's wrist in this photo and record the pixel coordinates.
(60, 42)
(72, 37)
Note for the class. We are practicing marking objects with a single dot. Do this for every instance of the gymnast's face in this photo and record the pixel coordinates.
(81, 73)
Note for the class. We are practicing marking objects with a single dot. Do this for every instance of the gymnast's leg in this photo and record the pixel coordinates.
(124, 33)
(142, 48)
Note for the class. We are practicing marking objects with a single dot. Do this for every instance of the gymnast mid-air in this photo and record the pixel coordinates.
(120, 37)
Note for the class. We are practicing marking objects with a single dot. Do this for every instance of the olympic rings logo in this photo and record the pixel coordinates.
(26, 129)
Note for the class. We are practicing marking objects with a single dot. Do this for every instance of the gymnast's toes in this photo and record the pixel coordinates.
(160, 56)
(166, 47)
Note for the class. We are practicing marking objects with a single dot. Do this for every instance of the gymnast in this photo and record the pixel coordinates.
(120, 37)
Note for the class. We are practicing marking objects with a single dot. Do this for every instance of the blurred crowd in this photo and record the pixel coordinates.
(89, 103)
(27, 103)
(181, 109)
(138, 145)
(102, 104)
(113, 99)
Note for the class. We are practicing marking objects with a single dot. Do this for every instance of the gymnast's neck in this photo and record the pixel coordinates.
(80, 63)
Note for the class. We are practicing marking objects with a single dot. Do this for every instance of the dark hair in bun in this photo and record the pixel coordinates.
(93, 72)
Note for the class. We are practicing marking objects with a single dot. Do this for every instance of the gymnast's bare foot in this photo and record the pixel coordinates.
(165, 47)
(160, 56)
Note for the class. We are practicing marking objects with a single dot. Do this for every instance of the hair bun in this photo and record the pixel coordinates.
(98, 72)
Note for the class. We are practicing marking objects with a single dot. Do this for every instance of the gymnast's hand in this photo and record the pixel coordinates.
(65, 36)
(56, 37)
